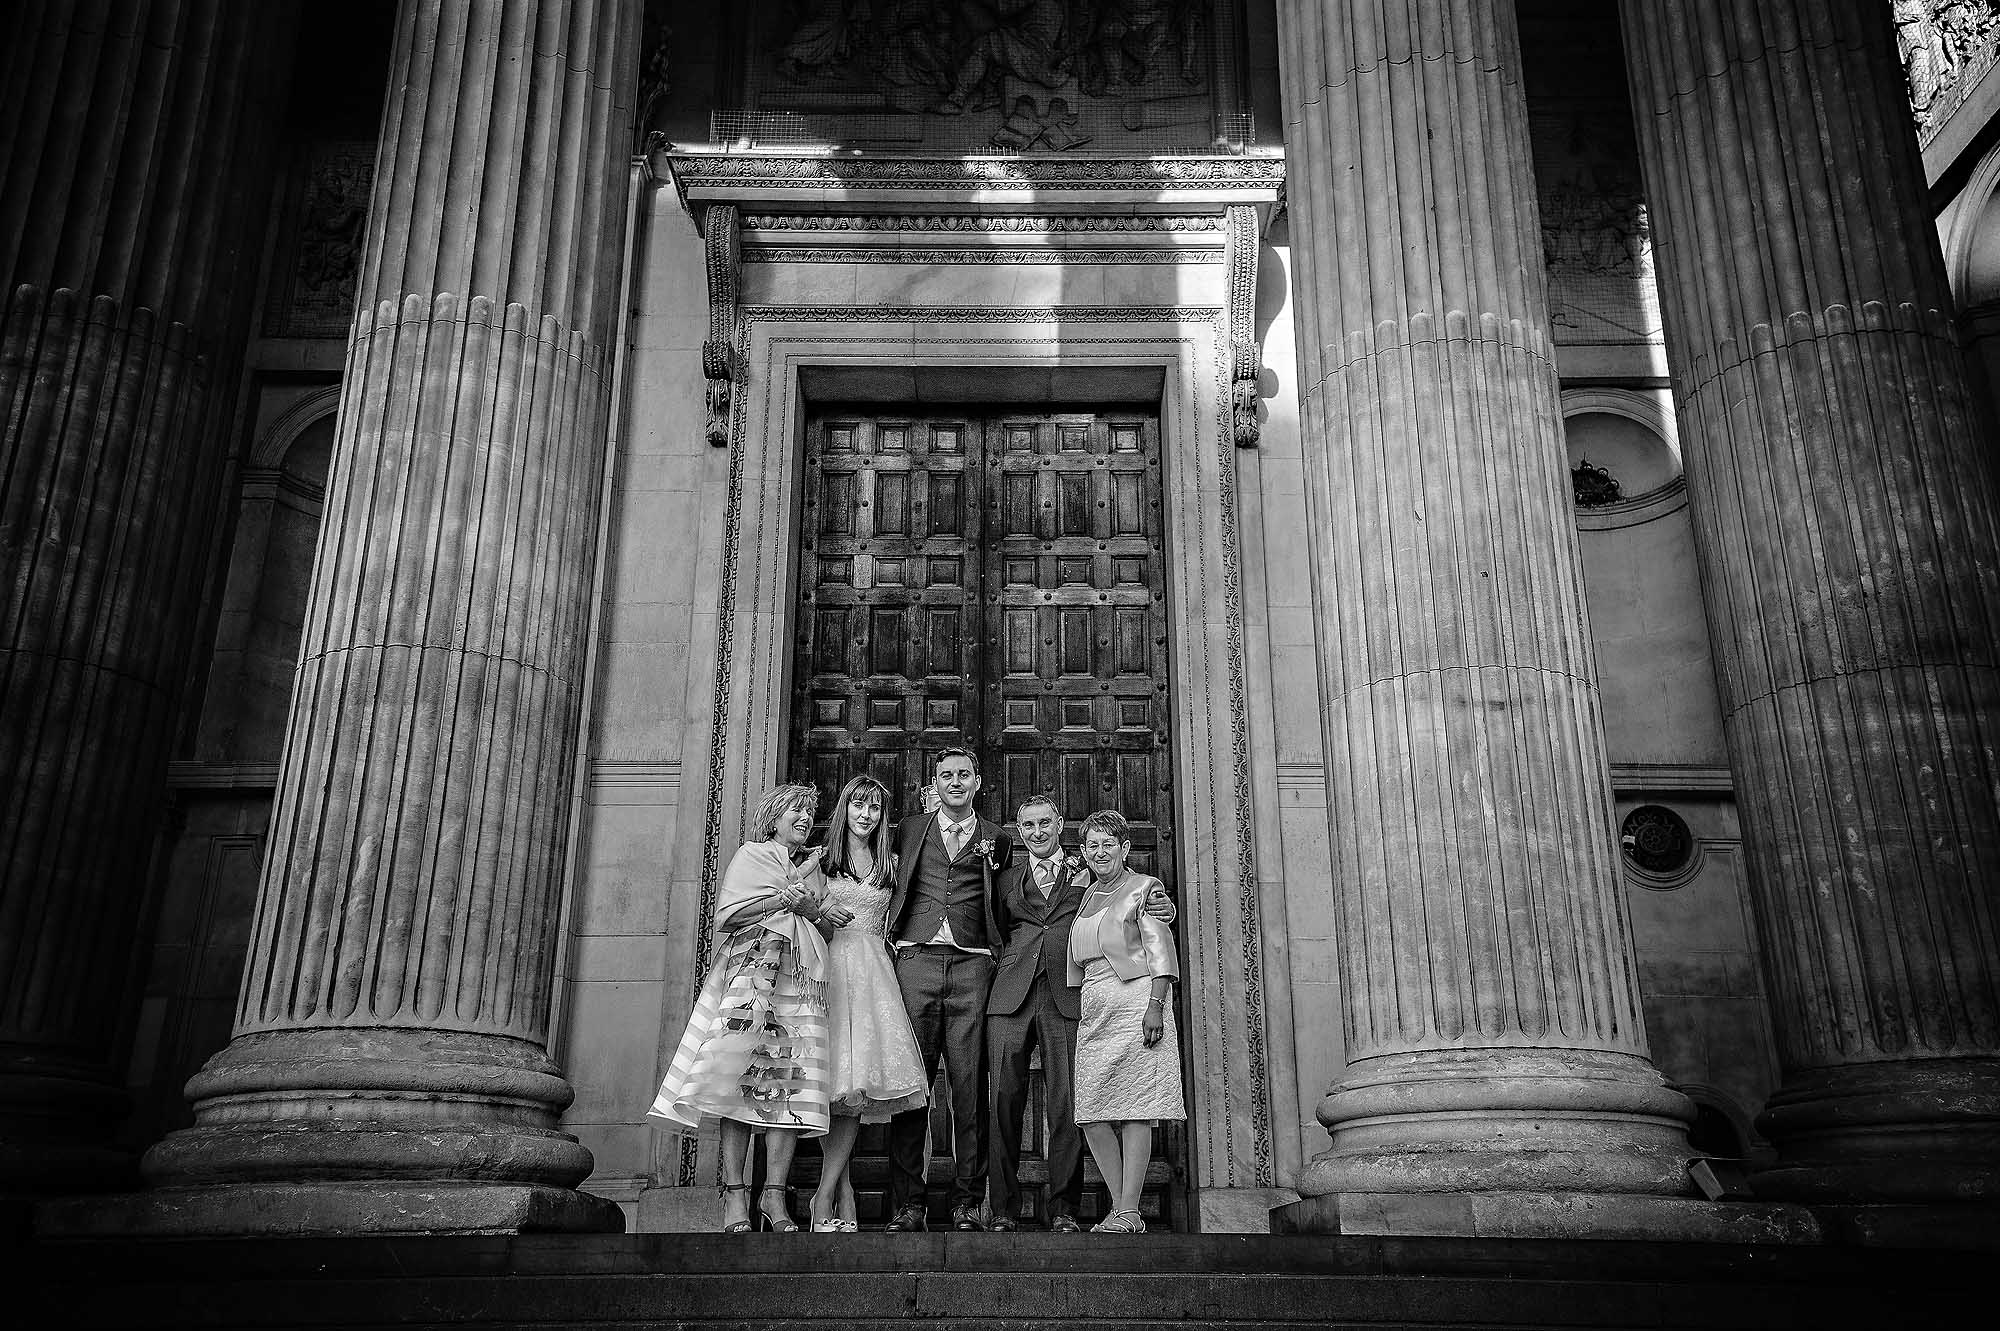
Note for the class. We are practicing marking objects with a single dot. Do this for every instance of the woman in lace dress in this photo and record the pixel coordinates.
(1128, 1068)
(874, 1069)
(754, 1054)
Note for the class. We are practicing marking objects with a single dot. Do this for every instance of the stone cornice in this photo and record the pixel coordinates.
(892, 254)
(1049, 184)
(1020, 238)
(968, 224)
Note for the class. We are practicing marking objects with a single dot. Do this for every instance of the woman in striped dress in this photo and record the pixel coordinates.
(754, 1054)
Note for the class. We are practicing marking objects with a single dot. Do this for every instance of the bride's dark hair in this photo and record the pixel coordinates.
(836, 860)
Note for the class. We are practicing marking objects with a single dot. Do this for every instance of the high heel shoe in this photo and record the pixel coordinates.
(782, 1223)
(744, 1226)
(1120, 1222)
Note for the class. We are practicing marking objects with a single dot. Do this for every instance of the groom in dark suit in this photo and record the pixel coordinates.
(946, 930)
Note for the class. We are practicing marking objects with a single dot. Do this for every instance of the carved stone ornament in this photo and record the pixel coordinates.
(1595, 487)
(722, 353)
(702, 174)
(960, 222)
(1015, 75)
(1946, 45)
(326, 257)
(1245, 361)
(655, 70)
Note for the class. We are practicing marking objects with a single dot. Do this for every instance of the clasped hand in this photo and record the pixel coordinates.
(804, 897)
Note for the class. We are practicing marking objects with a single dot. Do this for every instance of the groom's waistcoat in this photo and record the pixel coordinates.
(940, 888)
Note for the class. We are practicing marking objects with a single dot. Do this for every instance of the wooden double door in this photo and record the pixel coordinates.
(993, 579)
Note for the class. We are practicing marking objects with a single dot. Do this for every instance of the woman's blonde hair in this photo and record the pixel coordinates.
(776, 804)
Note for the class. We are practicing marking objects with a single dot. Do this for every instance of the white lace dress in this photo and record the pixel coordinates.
(874, 1069)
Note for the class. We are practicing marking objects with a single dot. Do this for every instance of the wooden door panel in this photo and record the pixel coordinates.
(891, 672)
(1077, 613)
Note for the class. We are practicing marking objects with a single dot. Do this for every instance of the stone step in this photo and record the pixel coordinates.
(1027, 1282)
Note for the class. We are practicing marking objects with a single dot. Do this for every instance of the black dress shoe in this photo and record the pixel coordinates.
(908, 1220)
(1064, 1224)
(1003, 1224)
(966, 1219)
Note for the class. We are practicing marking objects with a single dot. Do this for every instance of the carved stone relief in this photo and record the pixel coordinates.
(1591, 197)
(655, 50)
(1946, 45)
(324, 261)
(1008, 76)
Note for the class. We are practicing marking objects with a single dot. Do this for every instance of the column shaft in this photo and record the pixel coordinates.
(395, 1004)
(1490, 993)
(1843, 492)
(134, 165)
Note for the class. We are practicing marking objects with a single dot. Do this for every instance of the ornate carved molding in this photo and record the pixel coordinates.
(704, 176)
(1245, 363)
(722, 354)
(961, 222)
(873, 254)
(955, 314)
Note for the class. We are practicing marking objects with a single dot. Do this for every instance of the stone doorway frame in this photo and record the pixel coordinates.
(1044, 355)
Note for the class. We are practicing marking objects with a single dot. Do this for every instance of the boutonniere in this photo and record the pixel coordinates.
(985, 850)
(1073, 863)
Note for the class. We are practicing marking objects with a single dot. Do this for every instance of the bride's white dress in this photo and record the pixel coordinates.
(874, 1069)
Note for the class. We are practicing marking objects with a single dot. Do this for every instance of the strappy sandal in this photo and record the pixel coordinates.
(1120, 1222)
(744, 1226)
(782, 1223)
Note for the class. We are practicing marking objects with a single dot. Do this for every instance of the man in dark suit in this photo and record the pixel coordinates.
(1033, 1005)
(946, 930)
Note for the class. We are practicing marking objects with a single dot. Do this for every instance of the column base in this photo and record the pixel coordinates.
(1913, 1132)
(292, 1209)
(1504, 1120)
(1547, 1215)
(347, 1105)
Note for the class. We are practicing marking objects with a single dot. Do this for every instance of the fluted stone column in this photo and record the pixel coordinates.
(1490, 995)
(1842, 486)
(134, 166)
(395, 1005)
